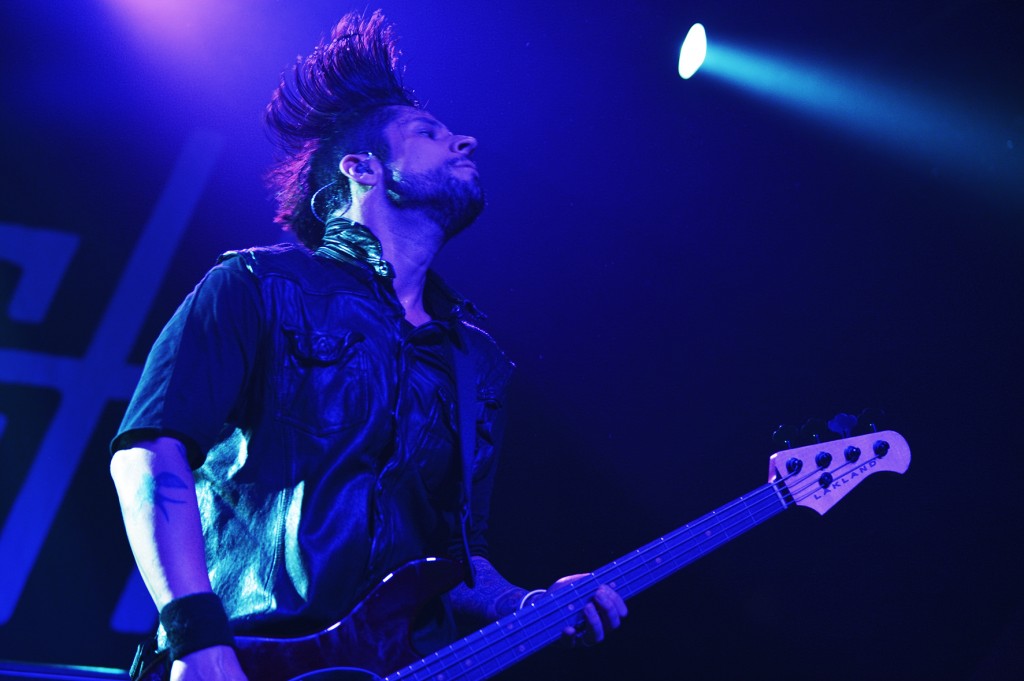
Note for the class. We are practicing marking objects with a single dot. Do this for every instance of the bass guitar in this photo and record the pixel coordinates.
(373, 641)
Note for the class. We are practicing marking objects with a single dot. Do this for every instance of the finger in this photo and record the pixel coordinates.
(566, 581)
(620, 603)
(611, 600)
(608, 609)
(595, 627)
(614, 600)
(570, 637)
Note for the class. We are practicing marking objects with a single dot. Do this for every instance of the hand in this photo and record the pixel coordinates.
(218, 663)
(602, 613)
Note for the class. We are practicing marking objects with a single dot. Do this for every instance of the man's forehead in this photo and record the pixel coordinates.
(409, 116)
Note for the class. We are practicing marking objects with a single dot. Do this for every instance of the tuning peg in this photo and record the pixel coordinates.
(785, 437)
(816, 431)
(870, 421)
(843, 424)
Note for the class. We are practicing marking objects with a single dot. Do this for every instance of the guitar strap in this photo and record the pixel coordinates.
(465, 383)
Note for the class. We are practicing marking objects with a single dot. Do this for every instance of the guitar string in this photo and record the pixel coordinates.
(800, 488)
(551, 608)
(548, 610)
(551, 612)
(548, 613)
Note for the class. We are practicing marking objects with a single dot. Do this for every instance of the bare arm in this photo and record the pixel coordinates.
(161, 515)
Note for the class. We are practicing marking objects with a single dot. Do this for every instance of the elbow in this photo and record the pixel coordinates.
(123, 468)
(128, 465)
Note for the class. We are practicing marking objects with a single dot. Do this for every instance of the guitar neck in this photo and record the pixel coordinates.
(653, 562)
(518, 635)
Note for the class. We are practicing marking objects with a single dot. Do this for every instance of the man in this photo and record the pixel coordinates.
(295, 435)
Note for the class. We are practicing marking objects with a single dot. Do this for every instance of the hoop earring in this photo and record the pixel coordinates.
(312, 201)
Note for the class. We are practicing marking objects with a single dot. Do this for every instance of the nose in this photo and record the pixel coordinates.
(464, 144)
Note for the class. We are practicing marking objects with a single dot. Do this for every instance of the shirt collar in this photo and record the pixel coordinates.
(346, 240)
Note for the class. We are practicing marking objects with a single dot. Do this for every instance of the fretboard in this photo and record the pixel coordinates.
(514, 637)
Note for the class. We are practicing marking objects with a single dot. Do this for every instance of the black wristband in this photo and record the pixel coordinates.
(195, 622)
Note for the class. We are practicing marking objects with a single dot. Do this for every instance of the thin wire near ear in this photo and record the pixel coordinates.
(312, 199)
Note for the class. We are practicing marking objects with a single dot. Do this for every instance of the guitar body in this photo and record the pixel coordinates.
(372, 640)
(375, 637)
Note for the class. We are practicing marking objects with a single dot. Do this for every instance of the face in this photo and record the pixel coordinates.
(430, 170)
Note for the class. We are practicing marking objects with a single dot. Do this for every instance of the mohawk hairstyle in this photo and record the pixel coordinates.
(334, 103)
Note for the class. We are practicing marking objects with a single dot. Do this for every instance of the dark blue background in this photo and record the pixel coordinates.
(676, 267)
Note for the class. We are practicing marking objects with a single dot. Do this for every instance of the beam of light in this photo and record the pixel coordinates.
(693, 51)
(950, 138)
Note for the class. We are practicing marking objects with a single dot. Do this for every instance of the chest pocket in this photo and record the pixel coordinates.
(324, 387)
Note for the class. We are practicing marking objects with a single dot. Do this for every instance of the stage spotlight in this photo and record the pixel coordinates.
(693, 51)
(933, 128)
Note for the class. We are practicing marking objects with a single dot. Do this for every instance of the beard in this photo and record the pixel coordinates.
(451, 202)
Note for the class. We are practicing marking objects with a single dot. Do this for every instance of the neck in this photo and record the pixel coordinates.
(409, 241)
(411, 258)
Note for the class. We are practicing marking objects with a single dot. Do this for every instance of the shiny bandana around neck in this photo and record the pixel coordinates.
(346, 240)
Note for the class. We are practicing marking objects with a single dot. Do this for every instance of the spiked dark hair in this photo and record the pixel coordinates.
(336, 101)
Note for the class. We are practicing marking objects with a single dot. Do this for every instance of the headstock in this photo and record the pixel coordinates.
(819, 475)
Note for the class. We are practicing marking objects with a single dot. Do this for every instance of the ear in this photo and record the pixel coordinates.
(362, 169)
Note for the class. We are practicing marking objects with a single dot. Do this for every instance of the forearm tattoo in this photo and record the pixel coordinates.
(492, 596)
(165, 489)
